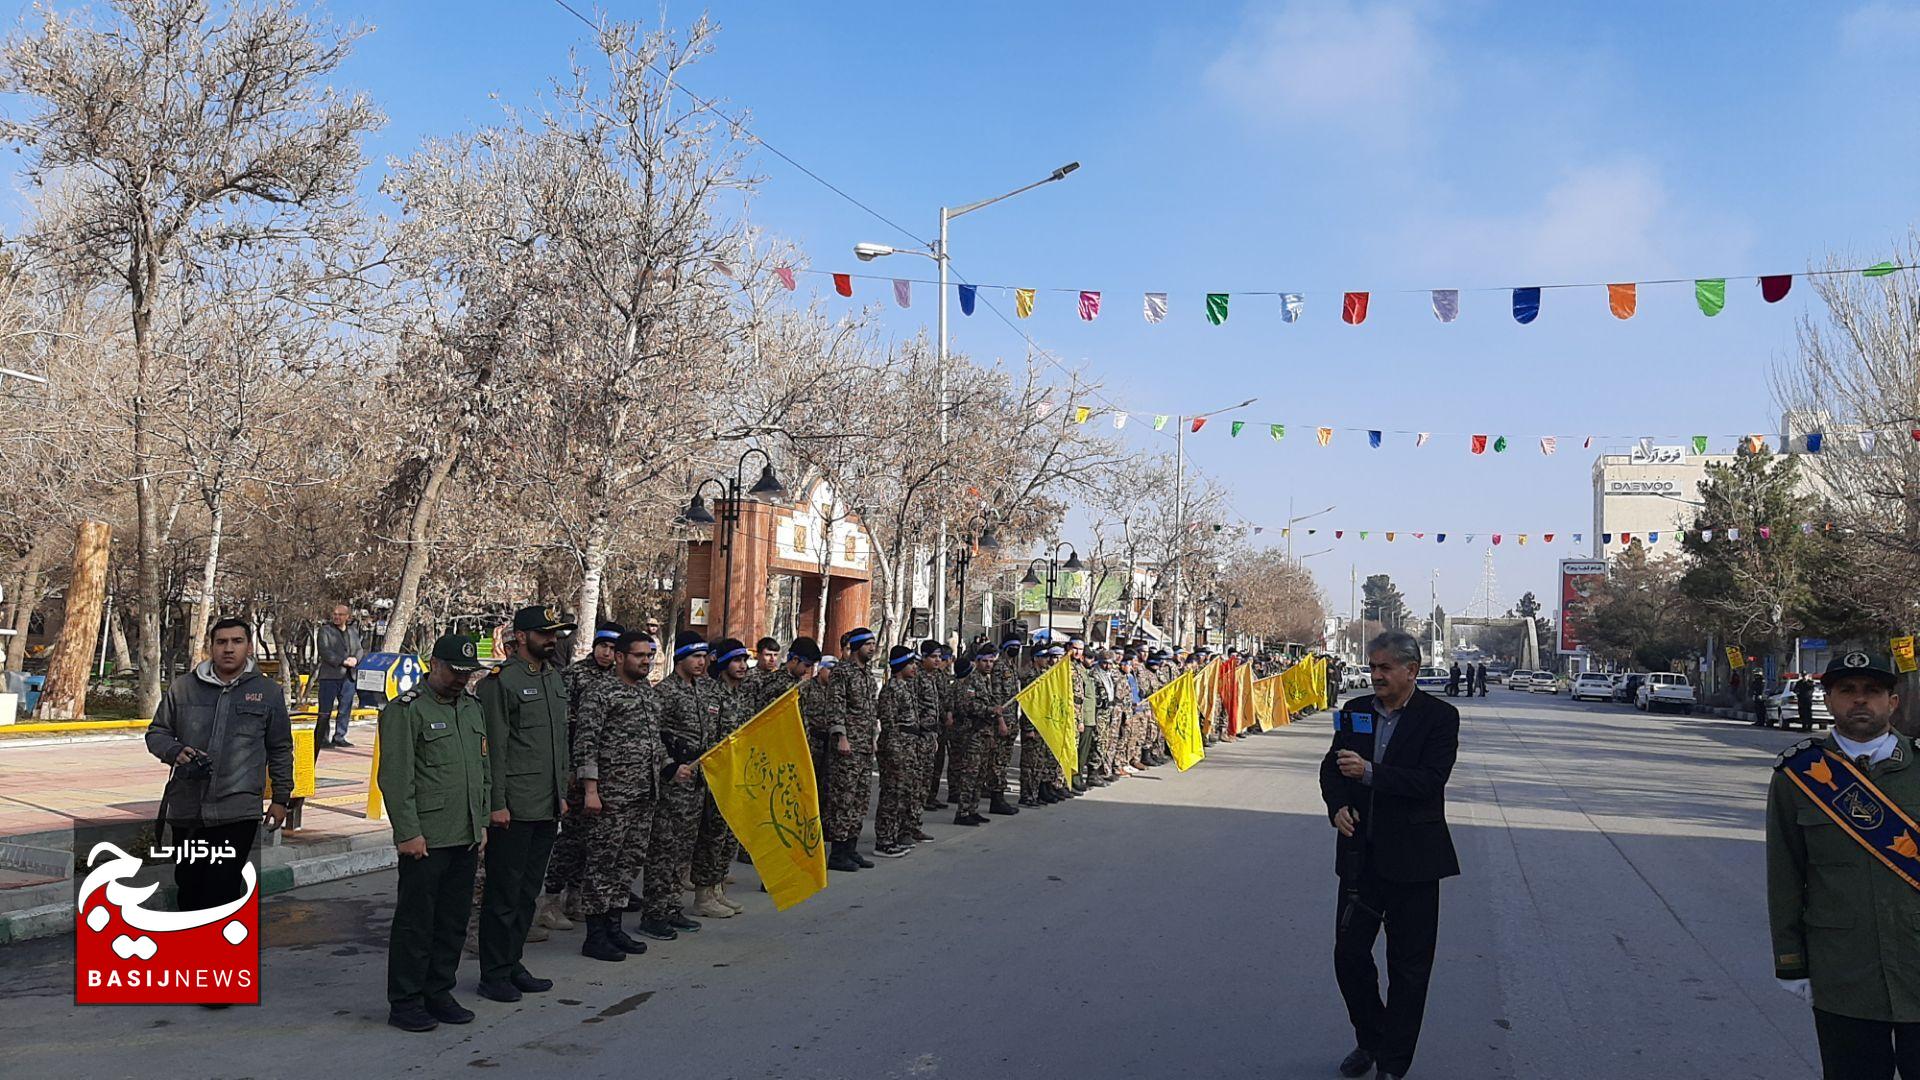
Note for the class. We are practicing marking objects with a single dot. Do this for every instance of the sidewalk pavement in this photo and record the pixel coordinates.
(49, 782)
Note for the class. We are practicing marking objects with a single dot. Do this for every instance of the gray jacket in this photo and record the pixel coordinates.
(335, 646)
(242, 725)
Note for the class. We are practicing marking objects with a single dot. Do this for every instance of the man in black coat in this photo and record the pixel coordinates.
(1384, 782)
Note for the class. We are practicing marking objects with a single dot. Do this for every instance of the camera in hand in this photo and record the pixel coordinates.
(196, 768)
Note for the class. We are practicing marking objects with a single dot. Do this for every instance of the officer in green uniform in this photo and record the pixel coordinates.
(526, 706)
(435, 779)
(1846, 919)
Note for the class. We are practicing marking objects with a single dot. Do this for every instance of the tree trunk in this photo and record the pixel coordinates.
(65, 694)
(209, 571)
(117, 633)
(593, 568)
(23, 596)
(406, 596)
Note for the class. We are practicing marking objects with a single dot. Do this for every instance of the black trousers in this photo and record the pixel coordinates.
(516, 866)
(1853, 1049)
(204, 885)
(429, 923)
(1411, 912)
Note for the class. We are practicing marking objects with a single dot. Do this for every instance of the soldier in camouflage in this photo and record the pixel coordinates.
(620, 764)
(906, 750)
(715, 846)
(1006, 683)
(569, 848)
(936, 694)
(978, 716)
(854, 731)
(689, 720)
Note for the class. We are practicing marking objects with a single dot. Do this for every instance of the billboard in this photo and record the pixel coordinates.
(1580, 580)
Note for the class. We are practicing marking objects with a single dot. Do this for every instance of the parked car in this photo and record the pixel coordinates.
(1626, 690)
(1432, 679)
(1543, 682)
(1783, 706)
(1497, 676)
(1597, 685)
(1356, 678)
(1521, 680)
(1664, 690)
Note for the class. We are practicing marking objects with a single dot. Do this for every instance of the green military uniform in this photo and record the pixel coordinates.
(436, 781)
(527, 732)
(1840, 917)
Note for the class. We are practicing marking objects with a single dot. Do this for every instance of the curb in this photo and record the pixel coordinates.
(49, 920)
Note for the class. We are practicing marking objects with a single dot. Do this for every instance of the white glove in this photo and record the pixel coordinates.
(1800, 988)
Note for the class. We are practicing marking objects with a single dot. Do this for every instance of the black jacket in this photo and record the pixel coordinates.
(1403, 820)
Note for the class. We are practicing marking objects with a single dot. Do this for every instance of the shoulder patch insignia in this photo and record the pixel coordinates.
(1787, 754)
(407, 697)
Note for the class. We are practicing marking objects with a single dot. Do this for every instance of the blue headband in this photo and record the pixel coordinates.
(605, 635)
(685, 651)
(861, 637)
(731, 655)
(910, 658)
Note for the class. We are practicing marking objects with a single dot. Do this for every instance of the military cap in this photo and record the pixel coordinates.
(457, 652)
(1860, 662)
(540, 618)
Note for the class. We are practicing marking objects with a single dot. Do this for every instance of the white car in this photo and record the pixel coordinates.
(1593, 684)
(1665, 690)
(1783, 706)
(1521, 680)
(1356, 678)
(1432, 679)
(1544, 682)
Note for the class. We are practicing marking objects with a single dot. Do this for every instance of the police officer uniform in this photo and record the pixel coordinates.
(1845, 922)
(435, 779)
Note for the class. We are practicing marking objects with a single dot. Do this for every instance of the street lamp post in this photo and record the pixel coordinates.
(939, 254)
(1292, 521)
(696, 513)
(1054, 566)
(979, 534)
(1180, 502)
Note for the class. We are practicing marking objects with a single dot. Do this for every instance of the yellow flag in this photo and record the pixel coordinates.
(1319, 670)
(1243, 695)
(761, 777)
(1173, 707)
(1023, 302)
(1206, 690)
(1269, 704)
(1048, 703)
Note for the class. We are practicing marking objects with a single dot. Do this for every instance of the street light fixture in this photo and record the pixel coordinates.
(767, 488)
(979, 535)
(1292, 521)
(1054, 567)
(939, 253)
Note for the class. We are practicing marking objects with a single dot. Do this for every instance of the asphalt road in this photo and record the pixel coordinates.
(1611, 922)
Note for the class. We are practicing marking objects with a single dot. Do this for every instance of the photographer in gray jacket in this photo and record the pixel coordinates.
(223, 727)
(340, 650)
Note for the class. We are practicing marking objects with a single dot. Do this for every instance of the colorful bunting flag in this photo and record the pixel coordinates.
(1653, 538)
(1766, 532)
(1626, 539)
(1576, 538)
(1606, 538)
(1198, 423)
(1023, 302)
(1278, 431)
(843, 284)
(1234, 433)
(1216, 308)
(1155, 307)
(1588, 445)
(1325, 435)
(1523, 539)
(1756, 443)
(1706, 536)
(902, 292)
(1389, 538)
(1440, 538)
(1733, 534)
(1080, 414)
(1119, 420)
(1089, 305)
(1339, 533)
(1548, 444)
(1711, 295)
(1879, 269)
(1044, 408)
(1479, 444)
(1546, 538)
(1353, 309)
(1446, 304)
(1291, 304)
(1421, 439)
(785, 274)
(1774, 287)
(1815, 440)
(1622, 299)
(1159, 423)
(1373, 439)
(1363, 534)
(1500, 445)
(1699, 444)
(967, 294)
(1496, 539)
(1526, 304)
(1806, 528)
(1866, 442)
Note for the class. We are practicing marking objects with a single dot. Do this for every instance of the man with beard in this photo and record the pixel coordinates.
(850, 773)
(621, 765)
(569, 851)
(1842, 867)
(715, 845)
(906, 751)
(525, 702)
(690, 715)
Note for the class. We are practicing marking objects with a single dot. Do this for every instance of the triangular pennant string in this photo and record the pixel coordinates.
(1446, 304)
(1198, 423)
(1234, 432)
(1325, 435)
(1155, 306)
(1277, 431)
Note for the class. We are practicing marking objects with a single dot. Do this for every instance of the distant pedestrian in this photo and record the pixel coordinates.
(1480, 678)
(1453, 679)
(340, 650)
(1803, 697)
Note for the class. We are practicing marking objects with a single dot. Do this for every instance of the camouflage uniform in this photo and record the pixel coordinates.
(689, 718)
(569, 848)
(1006, 683)
(971, 739)
(937, 694)
(1106, 708)
(1038, 768)
(617, 744)
(906, 753)
(851, 775)
(716, 844)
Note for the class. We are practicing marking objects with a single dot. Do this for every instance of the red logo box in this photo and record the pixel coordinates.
(129, 952)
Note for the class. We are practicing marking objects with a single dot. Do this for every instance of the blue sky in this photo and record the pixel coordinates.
(1314, 148)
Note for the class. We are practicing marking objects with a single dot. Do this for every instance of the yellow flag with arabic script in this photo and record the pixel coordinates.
(1173, 707)
(1269, 703)
(761, 777)
(1048, 703)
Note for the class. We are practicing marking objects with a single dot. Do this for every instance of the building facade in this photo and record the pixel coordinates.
(1649, 491)
(775, 570)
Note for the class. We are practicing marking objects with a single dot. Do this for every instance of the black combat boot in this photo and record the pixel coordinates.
(618, 935)
(598, 946)
(842, 857)
(1001, 806)
(853, 849)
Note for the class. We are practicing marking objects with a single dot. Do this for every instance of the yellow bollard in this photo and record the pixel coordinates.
(302, 765)
(376, 806)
